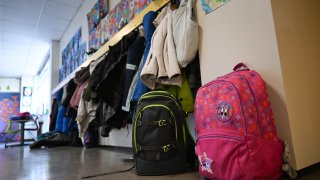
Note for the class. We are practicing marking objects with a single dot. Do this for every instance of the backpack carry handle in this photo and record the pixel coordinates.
(240, 67)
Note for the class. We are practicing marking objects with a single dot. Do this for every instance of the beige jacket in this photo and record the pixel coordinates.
(162, 15)
(86, 113)
(161, 65)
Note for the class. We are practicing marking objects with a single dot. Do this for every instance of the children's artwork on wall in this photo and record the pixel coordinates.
(103, 8)
(72, 55)
(97, 37)
(123, 13)
(112, 22)
(82, 53)
(90, 21)
(9, 106)
(92, 40)
(104, 29)
(140, 5)
(132, 8)
(93, 17)
(210, 5)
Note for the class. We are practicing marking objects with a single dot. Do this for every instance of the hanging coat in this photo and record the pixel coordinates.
(148, 29)
(134, 55)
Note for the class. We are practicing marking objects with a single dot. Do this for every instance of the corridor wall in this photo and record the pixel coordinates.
(297, 28)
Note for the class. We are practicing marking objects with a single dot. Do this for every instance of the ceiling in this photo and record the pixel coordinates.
(27, 28)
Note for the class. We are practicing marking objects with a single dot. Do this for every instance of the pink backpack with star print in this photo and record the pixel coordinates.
(236, 134)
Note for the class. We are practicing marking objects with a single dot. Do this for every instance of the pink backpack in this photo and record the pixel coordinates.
(235, 128)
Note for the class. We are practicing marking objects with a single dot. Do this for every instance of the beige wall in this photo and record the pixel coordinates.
(243, 31)
(298, 27)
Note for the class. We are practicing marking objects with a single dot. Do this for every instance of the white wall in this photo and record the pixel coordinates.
(297, 28)
(243, 31)
(54, 61)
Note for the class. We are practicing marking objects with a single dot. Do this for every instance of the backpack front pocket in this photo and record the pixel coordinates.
(265, 157)
(220, 155)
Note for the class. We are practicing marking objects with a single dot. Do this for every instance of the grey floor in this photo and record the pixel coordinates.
(68, 163)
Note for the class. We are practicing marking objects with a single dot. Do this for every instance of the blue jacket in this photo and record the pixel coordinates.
(149, 29)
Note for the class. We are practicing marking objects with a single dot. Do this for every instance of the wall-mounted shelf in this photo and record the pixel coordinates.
(133, 24)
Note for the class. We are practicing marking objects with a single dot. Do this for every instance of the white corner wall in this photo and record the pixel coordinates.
(297, 28)
(54, 63)
(243, 31)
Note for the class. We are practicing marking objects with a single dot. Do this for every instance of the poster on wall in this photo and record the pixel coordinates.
(93, 17)
(104, 29)
(72, 55)
(210, 5)
(113, 21)
(27, 91)
(26, 98)
(103, 8)
(140, 5)
(123, 14)
(9, 106)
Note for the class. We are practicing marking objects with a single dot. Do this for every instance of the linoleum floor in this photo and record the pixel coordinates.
(69, 163)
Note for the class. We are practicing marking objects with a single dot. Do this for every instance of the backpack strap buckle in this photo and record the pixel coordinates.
(162, 122)
(166, 148)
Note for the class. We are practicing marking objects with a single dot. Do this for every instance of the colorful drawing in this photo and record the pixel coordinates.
(136, 6)
(112, 22)
(210, 5)
(123, 13)
(71, 55)
(83, 55)
(97, 37)
(140, 5)
(104, 29)
(93, 17)
(9, 106)
(103, 8)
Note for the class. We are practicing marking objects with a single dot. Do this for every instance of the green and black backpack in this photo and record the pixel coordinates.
(162, 143)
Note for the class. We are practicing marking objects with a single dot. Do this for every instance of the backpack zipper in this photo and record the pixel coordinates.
(218, 136)
(139, 115)
(161, 91)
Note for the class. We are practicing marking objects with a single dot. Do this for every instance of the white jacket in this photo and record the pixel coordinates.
(161, 64)
(86, 113)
